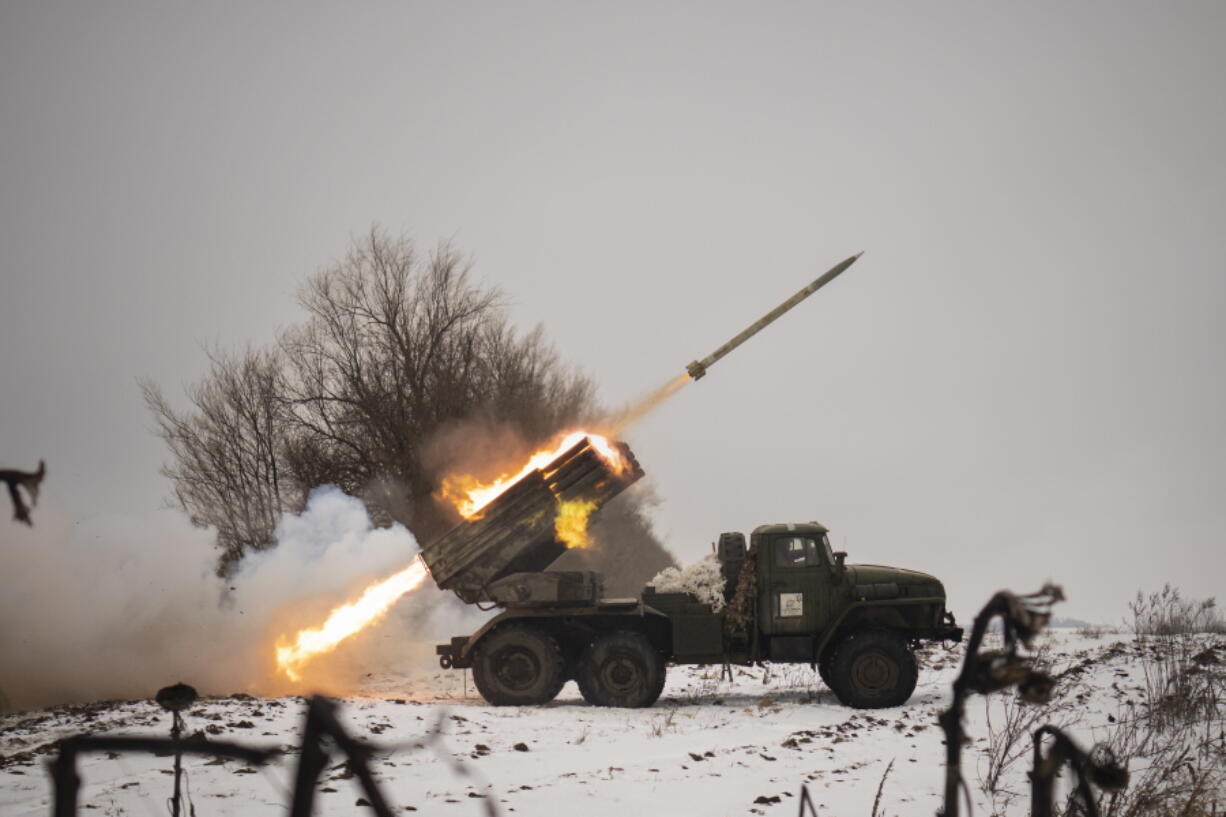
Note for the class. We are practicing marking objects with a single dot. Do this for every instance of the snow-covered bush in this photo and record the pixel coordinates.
(702, 580)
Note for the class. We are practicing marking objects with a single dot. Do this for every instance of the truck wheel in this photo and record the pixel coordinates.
(872, 669)
(621, 669)
(518, 665)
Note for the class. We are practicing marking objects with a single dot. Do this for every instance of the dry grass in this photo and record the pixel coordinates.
(1175, 738)
(1010, 723)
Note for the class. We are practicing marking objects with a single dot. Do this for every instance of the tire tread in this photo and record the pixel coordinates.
(894, 648)
(549, 653)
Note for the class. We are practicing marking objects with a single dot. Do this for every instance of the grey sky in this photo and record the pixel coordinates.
(1021, 379)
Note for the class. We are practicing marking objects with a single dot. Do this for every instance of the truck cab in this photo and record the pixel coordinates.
(807, 587)
(799, 584)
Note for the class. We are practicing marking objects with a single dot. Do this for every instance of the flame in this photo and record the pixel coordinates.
(571, 522)
(469, 494)
(347, 620)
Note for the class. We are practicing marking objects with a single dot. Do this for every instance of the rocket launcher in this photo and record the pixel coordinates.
(498, 557)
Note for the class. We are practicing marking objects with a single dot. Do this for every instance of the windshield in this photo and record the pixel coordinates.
(800, 551)
(826, 547)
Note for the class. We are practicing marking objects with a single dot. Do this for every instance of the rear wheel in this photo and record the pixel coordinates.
(621, 669)
(873, 669)
(518, 665)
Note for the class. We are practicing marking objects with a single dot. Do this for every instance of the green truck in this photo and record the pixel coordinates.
(786, 597)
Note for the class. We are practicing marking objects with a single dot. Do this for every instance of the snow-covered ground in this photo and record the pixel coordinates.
(708, 747)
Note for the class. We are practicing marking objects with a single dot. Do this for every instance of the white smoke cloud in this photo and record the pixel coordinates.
(116, 607)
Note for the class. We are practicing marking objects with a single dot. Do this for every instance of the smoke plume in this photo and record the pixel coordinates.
(117, 607)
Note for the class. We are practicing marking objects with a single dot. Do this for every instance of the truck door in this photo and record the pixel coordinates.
(795, 601)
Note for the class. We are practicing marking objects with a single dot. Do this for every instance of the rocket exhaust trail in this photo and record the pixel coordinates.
(614, 424)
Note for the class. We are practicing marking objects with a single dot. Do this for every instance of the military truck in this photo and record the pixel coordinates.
(788, 597)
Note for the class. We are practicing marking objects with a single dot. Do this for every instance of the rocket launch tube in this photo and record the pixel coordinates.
(699, 367)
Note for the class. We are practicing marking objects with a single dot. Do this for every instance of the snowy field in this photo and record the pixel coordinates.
(709, 747)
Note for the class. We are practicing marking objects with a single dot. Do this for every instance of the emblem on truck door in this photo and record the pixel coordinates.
(791, 604)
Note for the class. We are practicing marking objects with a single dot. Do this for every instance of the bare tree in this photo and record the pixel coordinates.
(227, 459)
(528, 386)
(396, 350)
(396, 347)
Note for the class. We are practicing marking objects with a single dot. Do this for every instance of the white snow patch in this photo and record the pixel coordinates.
(711, 746)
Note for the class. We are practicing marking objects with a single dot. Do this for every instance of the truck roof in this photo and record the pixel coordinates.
(811, 528)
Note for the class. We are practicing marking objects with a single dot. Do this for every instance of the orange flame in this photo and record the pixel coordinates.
(347, 620)
(571, 522)
(469, 494)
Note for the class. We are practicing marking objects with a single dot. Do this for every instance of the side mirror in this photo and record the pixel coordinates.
(840, 559)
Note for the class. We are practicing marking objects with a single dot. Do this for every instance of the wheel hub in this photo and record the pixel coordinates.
(620, 674)
(873, 673)
(517, 669)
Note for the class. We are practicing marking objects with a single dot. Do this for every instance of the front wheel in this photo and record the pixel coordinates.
(518, 665)
(621, 669)
(873, 669)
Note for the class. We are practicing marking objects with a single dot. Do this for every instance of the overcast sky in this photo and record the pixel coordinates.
(1021, 379)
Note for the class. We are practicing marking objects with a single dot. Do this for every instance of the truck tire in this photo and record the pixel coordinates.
(872, 669)
(621, 669)
(518, 665)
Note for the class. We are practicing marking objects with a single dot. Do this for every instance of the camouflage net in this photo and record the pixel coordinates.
(702, 580)
(741, 609)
